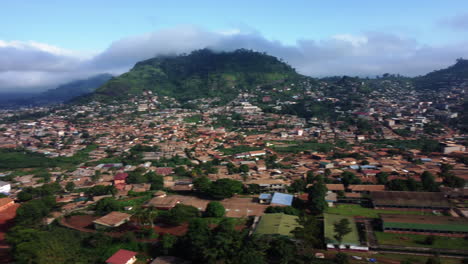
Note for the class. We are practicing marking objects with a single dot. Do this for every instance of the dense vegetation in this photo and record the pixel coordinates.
(200, 74)
(18, 158)
(451, 76)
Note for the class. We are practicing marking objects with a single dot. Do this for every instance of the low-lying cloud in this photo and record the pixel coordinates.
(37, 66)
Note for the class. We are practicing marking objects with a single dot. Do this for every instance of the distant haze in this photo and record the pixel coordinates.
(33, 66)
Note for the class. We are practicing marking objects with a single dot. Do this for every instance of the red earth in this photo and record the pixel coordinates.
(6, 222)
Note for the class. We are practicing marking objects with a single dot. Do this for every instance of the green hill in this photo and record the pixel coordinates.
(453, 76)
(200, 74)
(60, 94)
(73, 89)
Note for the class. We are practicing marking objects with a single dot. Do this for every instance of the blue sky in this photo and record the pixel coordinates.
(68, 32)
(93, 25)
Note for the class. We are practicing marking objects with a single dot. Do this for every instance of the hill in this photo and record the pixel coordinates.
(60, 94)
(73, 89)
(451, 77)
(200, 74)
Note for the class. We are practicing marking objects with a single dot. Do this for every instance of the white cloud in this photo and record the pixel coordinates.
(354, 40)
(34, 64)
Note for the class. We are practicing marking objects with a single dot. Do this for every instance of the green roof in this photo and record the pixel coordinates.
(277, 224)
(351, 238)
(425, 222)
(432, 227)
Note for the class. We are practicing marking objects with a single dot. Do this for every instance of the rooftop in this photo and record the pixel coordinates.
(112, 219)
(121, 257)
(426, 222)
(351, 238)
(277, 224)
(416, 199)
(282, 199)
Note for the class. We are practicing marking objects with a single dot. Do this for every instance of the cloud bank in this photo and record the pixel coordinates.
(32, 65)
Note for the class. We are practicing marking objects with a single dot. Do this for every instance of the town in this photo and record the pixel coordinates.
(372, 175)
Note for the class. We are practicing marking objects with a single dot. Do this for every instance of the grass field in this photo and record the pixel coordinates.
(411, 240)
(357, 210)
(417, 259)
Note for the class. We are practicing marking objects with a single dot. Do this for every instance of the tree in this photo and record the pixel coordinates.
(453, 181)
(225, 188)
(309, 231)
(96, 176)
(215, 209)
(146, 216)
(289, 210)
(252, 188)
(429, 240)
(382, 177)
(433, 260)
(24, 196)
(70, 186)
(107, 205)
(166, 244)
(310, 177)
(341, 228)
(196, 240)
(282, 250)
(180, 171)
(317, 193)
(428, 182)
(157, 181)
(32, 212)
(348, 178)
(341, 258)
(182, 213)
(244, 168)
(298, 186)
(202, 184)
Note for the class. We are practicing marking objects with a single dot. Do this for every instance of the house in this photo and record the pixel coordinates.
(366, 188)
(5, 187)
(281, 199)
(326, 165)
(269, 185)
(163, 202)
(449, 147)
(5, 203)
(122, 257)
(410, 200)
(277, 224)
(425, 225)
(164, 171)
(350, 241)
(119, 180)
(264, 198)
(331, 198)
(250, 154)
(111, 220)
(335, 187)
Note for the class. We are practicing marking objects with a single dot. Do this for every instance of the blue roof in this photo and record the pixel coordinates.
(354, 167)
(265, 196)
(282, 198)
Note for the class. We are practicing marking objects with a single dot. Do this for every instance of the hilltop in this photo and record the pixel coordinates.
(200, 74)
(451, 77)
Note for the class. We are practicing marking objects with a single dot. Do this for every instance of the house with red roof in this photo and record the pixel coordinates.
(164, 171)
(119, 180)
(122, 257)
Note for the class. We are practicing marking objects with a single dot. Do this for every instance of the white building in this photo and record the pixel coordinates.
(5, 187)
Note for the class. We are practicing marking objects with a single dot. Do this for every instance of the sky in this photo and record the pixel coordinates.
(45, 43)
